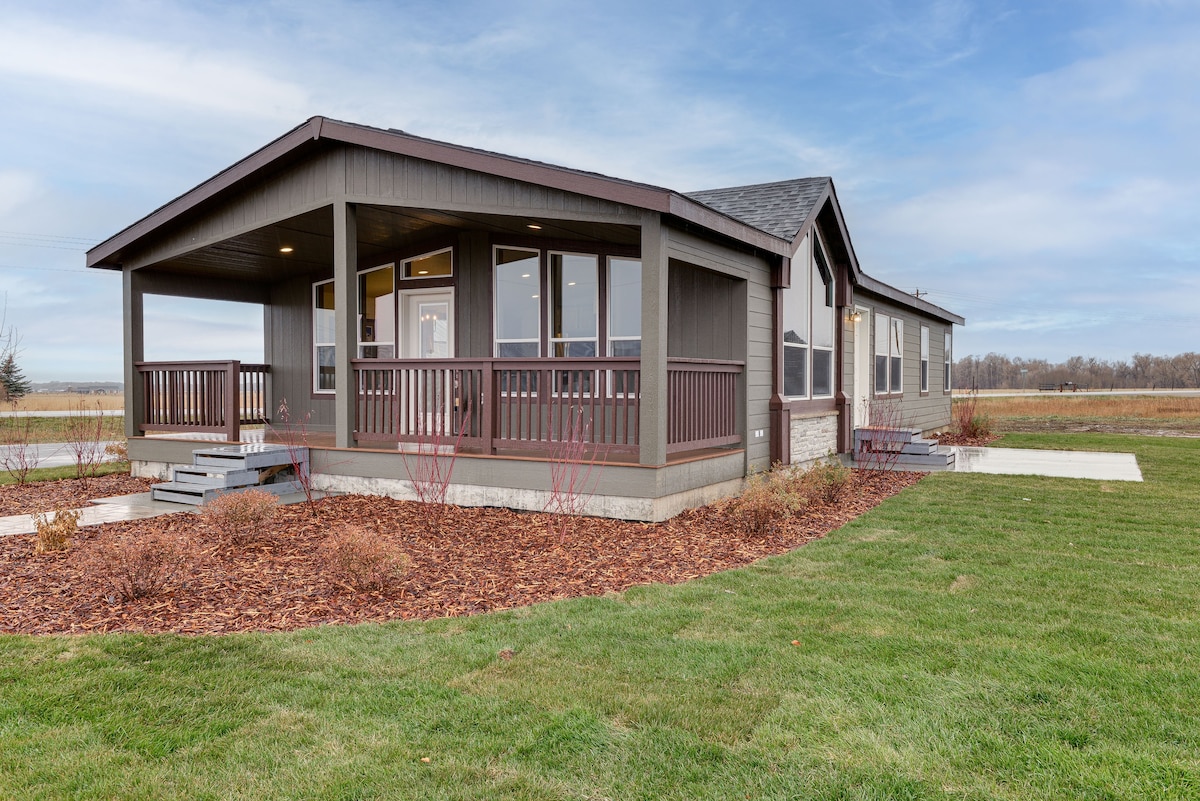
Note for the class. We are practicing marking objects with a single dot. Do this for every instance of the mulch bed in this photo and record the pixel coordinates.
(69, 493)
(463, 561)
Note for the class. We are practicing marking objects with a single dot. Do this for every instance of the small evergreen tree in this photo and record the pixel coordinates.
(13, 383)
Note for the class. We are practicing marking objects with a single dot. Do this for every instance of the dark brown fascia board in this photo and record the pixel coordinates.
(591, 184)
(898, 296)
(306, 132)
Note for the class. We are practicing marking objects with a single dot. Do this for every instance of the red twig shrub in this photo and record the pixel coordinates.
(140, 566)
(84, 435)
(294, 434)
(240, 518)
(18, 456)
(882, 452)
(571, 473)
(362, 562)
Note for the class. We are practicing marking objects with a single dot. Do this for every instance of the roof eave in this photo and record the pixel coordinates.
(877, 287)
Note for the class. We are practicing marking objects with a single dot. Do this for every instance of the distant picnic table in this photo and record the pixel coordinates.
(1066, 386)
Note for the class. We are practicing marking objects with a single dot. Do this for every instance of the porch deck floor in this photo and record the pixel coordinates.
(325, 439)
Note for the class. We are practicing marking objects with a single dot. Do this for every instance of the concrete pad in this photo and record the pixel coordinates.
(126, 507)
(1060, 464)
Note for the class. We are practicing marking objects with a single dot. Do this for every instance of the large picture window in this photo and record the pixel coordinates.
(624, 307)
(518, 303)
(571, 307)
(809, 323)
(574, 302)
(324, 333)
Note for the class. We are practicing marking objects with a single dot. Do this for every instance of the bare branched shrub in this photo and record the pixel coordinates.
(138, 566)
(54, 534)
(84, 435)
(361, 561)
(768, 502)
(294, 434)
(572, 483)
(890, 425)
(18, 456)
(431, 464)
(240, 518)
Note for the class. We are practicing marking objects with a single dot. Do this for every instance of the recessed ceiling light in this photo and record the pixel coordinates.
(533, 296)
(422, 272)
(570, 283)
(534, 226)
(286, 249)
(525, 275)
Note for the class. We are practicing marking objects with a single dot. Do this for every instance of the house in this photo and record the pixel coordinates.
(419, 292)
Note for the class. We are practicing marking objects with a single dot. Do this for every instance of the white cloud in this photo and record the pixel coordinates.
(165, 73)
(17, 187)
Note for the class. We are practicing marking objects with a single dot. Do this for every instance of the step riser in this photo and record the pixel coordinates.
(197, 496)
(228, 480)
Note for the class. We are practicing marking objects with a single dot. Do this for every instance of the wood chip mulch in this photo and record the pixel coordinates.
(69, 493)
(463, 561)
(949, 438)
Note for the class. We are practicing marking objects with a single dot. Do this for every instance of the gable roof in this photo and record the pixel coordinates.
(780, 208)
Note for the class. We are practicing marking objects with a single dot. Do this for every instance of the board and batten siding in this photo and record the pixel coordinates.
(927, 411)
(750, 319)
(360, 175)
(289, 344)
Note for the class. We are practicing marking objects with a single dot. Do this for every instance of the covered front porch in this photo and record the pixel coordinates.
(529, 407)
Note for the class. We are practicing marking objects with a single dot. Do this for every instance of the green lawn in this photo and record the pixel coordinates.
(61, 429)
(975, 637)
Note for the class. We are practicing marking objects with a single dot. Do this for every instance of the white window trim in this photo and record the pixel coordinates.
(924, 365)
(608, 295)
(896, 340)
(947, 361)
(496, 340)
(551, 340)
(886, 321)
(402, 267)
(316, 361)
(395, 313)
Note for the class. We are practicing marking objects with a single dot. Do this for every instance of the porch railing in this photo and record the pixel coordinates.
(203, 397)
(531, 404)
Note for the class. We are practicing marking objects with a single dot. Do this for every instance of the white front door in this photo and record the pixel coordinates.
(862, 368)
(428, 324)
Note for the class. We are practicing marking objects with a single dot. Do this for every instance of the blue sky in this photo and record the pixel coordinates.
(1031, 165)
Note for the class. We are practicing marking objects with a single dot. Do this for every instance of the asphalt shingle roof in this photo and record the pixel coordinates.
(778, 208)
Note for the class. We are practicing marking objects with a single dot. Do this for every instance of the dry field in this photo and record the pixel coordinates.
(1139, 414)
(67, 402)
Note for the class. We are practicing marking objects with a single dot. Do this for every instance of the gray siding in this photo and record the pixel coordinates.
(288, 334)
(925, 411)
(365, 176)
(751, 335)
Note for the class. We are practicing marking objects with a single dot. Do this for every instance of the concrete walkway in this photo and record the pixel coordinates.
(125, 507)
(1060, 464)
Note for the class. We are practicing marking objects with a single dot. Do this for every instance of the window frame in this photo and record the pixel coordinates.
(820, 270)
(608, 304)
(402, 266)
(393, 296)
(947, 361)
(883, 321)
(924, 377)
(539, 284)
(553, 292)
(317, 344)
(896, 356)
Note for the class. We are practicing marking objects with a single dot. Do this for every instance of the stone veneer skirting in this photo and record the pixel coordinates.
(813, 437)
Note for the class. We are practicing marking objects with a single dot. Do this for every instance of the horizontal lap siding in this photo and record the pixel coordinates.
(925, 412)
(746, 280)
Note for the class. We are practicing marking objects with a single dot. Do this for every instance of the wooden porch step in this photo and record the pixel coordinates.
(196, 494)
(234, 468)
(226, 476)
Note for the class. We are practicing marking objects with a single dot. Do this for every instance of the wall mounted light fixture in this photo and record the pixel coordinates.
(853, 316)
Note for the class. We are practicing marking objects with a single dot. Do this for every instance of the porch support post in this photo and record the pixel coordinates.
(345, 302)
(134, 339)
(652, 410)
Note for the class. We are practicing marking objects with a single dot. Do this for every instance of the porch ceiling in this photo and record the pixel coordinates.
(383, 233)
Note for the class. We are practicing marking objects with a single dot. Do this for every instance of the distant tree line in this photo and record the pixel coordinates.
(1143, 371)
